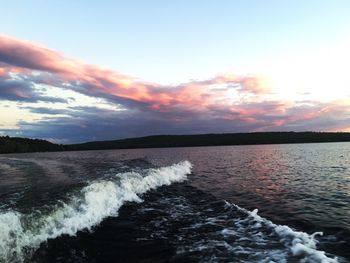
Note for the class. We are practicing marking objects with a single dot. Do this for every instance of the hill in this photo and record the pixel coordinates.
(160, 141)
(21, 145)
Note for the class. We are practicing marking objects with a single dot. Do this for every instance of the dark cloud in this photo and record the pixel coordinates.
(23, 90)
(106, 128)
(49, 111)
(93, 123)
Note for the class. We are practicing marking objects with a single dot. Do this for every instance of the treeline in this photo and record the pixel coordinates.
(160, 141)
(22, 145)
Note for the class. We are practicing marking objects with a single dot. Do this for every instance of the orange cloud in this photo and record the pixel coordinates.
(24, 55)
(213, 99)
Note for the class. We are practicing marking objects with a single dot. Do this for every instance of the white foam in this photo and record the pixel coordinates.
(11, 232)
(300, 243)
(98, 200)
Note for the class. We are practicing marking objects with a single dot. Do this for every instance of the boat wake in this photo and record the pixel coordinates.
(21, 234)
(195, 223)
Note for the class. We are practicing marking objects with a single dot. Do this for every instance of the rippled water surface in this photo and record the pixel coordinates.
(178, 205)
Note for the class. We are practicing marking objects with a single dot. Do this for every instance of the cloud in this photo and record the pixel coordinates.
(25, 54)
(93, 80)
(90, 123)
(23, 90)
(47, 111)
(224, 103)
(93, 123)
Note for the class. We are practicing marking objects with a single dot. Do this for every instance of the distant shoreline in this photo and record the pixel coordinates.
(22, 145)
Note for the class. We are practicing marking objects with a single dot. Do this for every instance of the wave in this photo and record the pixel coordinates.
(21, 234)
(300, 244)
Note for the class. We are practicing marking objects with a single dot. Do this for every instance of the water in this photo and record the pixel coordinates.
(268, 203)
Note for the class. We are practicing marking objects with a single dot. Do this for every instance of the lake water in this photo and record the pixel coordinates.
(261, 203)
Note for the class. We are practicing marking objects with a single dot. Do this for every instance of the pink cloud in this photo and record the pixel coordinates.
(25, 55)
(30, 55)
(210, 98)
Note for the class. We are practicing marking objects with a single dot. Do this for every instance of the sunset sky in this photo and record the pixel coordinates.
(75, 71)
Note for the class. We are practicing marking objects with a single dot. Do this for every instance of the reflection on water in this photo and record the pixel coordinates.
(307, 181)
(302, 185)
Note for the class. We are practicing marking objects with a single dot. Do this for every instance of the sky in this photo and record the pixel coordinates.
(76, 71)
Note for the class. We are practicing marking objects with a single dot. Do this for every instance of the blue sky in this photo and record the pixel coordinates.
(298, 48)
(173, 41)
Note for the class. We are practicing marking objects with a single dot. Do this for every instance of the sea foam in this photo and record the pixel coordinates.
(21, 234)
(299, 243)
